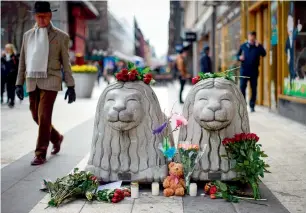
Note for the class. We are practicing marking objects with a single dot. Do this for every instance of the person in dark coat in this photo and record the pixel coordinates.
(11, 65)
(205, 61)
(249, 54)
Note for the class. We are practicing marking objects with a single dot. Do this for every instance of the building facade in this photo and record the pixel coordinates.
(175, 26)
(281, 28)
(139, 41)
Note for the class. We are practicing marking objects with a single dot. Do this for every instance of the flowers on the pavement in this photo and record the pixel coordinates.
(190, 156)
(244, 150)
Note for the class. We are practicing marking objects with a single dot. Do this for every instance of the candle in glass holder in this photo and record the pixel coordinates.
(155, 189)
(193, 189)
(134, 190)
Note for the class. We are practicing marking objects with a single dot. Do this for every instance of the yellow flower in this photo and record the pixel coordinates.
(84, 68)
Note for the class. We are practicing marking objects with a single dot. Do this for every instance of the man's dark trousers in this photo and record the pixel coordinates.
(243, 86)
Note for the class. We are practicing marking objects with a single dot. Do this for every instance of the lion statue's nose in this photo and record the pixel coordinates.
(119, 108)
(214, 106)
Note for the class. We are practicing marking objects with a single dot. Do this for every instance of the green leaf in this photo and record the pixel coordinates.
(246, 163)
(131, 65)
(242, 153)
(202, 75)
(263, 155)
(146, 70)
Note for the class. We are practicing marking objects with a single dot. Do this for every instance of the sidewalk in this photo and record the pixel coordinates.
(282, 139)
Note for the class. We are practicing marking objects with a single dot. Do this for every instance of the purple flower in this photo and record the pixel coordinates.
(158, 130)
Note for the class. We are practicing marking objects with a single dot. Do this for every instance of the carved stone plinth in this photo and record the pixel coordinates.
(215, 109)
(123, 146)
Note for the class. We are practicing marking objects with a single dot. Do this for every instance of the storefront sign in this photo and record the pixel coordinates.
(190, 36)
(274, 31)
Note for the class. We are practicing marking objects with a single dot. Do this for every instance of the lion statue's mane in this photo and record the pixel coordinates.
(133, 151)
(212, 162)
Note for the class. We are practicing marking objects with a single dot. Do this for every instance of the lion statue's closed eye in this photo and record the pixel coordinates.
(215, 109)
(123, 143)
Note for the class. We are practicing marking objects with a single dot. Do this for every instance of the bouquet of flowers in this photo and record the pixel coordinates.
(70, 187)
(190, 156)
(246, 152)
(165, 147)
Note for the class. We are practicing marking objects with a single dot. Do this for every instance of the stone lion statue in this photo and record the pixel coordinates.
(215, 109)
(123, 146)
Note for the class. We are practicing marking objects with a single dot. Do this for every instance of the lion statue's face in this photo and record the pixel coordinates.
(123, 109)
(214, 109)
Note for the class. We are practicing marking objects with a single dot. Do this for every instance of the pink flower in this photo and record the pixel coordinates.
(180, 120)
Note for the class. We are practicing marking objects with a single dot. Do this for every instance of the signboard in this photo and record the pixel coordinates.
(274, 38)
(190, 36)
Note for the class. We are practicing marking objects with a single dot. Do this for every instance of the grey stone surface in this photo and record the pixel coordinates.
(215, 109)
(158, 208)
(69, 208)
(26, 192)
(107, 208)
(123, 143)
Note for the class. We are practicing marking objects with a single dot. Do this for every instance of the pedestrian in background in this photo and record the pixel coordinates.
(45, 49)
(182, 70)
(10, 64)
(249, 54)
(205, 61)
(3, 76)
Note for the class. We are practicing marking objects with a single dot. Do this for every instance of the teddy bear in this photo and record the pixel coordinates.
(174, 184)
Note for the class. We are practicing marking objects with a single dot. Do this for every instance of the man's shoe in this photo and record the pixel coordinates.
(57, 147)
(11, 105)
(252, 110)
(38, 160)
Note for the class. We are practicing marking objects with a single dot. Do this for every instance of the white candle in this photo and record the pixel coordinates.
(134, 190)
(193, 189)
(155, 189)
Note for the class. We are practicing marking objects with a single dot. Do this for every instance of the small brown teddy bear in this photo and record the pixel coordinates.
(174, 184)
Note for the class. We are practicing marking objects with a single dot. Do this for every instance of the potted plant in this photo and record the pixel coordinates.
(84, 76)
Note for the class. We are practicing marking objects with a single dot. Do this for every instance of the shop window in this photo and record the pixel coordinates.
(295, 82)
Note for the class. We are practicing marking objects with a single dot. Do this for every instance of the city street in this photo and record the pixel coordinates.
(282, 139)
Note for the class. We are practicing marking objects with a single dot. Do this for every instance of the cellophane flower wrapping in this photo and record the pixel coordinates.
(190, 155)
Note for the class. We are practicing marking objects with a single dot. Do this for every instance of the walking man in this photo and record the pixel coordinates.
(205, 61)
(249, 55)
(44, 51)
(181, 67)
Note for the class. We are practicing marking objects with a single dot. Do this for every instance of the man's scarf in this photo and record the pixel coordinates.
(37, 53)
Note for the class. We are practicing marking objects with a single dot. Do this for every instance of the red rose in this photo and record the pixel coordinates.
(195, 79)
(237, 137)
(149, 76)
(119, 76)
(125, 77)
(147, 80)
(243, 136)
(213, 190)
(93, 178)
(132, 76)
(134, 72)
(225, 142)
(124, 71)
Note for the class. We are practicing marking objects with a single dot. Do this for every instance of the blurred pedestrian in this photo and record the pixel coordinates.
(10, 64)
(205, 61)
(182, 70)
(249, 55)
(3, 76)
(44, 51)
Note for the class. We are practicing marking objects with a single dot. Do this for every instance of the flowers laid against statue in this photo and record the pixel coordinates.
(81, 184)
(247, 154)
(85, 76)
(190, 156)
(166, 148)
(174, 184)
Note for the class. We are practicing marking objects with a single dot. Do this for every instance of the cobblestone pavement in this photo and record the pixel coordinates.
(283, 140)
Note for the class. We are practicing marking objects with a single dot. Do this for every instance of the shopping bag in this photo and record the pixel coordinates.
(25, 90)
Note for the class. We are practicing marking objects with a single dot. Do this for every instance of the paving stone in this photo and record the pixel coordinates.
(147, 198)
(202, 204)
(107, 208)
(68, 208)
(158, 208)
